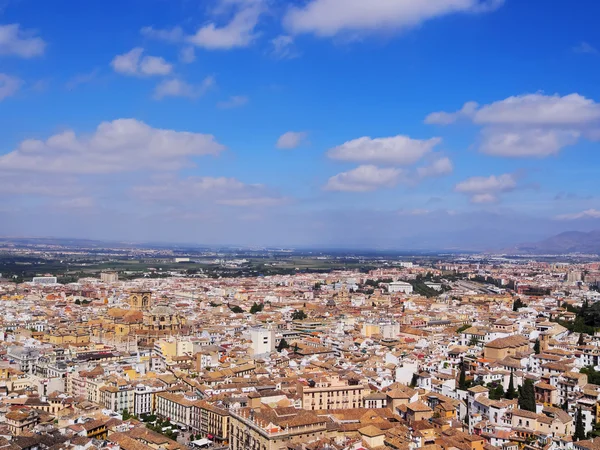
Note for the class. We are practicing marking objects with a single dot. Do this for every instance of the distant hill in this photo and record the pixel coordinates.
(567, 242)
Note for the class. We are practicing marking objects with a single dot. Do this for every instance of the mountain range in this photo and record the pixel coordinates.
(567, 242)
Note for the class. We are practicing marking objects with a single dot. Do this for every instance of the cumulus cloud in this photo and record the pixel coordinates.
(440, 166)
(18, 42)
(239, 31)
(177, 87)
(328, 18)
(133, 64)
(123, 145)
(9, 85)
(487, 189)
(531, 125)
(397, 150)
(523, 143)
(587, 214)
(291, 140)
(445, 118)
(235, 101)
(219, 190)
(364, 179)
(540, 110)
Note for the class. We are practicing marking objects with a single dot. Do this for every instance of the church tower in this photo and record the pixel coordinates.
(140, 300)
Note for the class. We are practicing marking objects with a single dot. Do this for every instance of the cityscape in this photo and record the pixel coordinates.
(299, 225)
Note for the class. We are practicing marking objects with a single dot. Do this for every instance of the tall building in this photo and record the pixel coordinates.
(263, 341)
(109, 277)
(140, 300)
(574, 277)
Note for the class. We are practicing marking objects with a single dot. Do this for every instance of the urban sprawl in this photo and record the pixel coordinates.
(441, 356)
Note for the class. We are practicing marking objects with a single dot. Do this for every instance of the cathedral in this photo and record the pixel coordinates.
(140, 300)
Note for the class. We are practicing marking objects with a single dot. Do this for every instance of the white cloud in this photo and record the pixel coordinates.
(397, 150)
(587, 214)
(283, 47)
(18, 42)
(178, 88)
(328, 18)
(523, 143)
(173, 35)
(540, 110)
(9, 85)
(445, 118)
(123, 145)
(530, 125)
(218, 190)
(291, 140)
(487, 189)
(364, 179)
(240, 31)
(187, 55)
(440, 166)
(132, 63)
(235, 101)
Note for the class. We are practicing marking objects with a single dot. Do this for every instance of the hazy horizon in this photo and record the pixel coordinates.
(304, 123)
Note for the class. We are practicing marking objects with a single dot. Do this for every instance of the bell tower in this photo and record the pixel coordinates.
(140, 300)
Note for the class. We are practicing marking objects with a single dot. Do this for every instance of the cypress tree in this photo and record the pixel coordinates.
(579, 428)
(462, 379)
(527, 396)
(511, 392)
(580, 341)
(536, 347)
(413, 382)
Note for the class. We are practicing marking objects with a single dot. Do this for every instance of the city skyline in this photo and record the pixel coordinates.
(456, 124)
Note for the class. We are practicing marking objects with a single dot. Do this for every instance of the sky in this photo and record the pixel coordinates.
(405, 124)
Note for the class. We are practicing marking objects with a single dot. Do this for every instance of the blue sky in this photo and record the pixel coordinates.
(388, 123)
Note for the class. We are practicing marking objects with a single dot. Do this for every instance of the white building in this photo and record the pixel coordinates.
(43, 281)
(263, 341)
(400, 286)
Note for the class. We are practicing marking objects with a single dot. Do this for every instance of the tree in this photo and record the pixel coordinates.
(527, 396)
(581, 341)
(496, 390)
(536, 347)
(299, 314)
(474, 341)
(413, 381)
(78, 302)
(579, 428)
(126, 414)
(256, 308)
(518, 304)
(236, 309)
(462, 378)
(511, 392)
(461, 328)
(282, 344)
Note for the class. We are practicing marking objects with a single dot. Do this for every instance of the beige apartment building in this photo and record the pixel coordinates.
(332, 393)
(273, 428)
